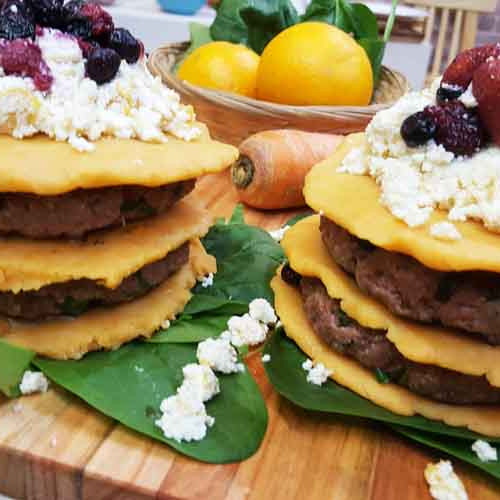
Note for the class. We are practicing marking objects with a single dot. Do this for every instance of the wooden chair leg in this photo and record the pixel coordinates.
(469, 31)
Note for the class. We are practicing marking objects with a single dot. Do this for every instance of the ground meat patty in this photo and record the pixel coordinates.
(76, 213)
(77, 296)
(466, 300)
(372, 349)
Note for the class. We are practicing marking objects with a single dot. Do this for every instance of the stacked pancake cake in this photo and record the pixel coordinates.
(394, 285)
(100, 242)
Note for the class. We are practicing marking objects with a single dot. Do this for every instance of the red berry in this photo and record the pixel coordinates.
(87, 47)
(486, 90)
(461, 71)
(102, 22)
(24, 58)
(458, 129)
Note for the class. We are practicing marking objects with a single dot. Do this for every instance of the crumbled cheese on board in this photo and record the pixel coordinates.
(261, 310)
(484, 451)
(444, 484)
(219, 355)
(415, 181)
(266, 358)
(199, 381)
(33, 382)
(445, 231)
(317, 373)
(245, 330)
(278, 234)
(207, 281)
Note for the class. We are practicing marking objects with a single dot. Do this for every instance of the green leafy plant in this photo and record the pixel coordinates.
(255, 23)
(14, 361)
(289, 379)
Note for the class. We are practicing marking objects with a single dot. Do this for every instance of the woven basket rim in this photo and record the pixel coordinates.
(172, 51)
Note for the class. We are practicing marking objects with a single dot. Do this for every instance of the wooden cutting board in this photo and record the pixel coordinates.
(54, 447)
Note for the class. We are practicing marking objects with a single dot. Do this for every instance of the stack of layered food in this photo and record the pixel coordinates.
(99, 240)
(394, 286)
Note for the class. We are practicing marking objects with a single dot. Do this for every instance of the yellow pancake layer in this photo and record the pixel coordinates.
(418, 342)
(43, 166)
(349, 373)
(107, 257)
(352, 201)
(108, 328)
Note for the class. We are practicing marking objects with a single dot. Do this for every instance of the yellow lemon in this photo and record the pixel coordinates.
(314, 63)
(222, 66)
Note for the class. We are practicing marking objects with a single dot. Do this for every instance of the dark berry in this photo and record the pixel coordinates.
(48, 12)
(448, 92)
(71, 9)
(125, 44)
(288, 275)
(458, 129)
(24, 58)
(102, 22)
(417, 129)
(87, 47)
(15, 25)
(81, 27)
(103, 65)
(22, 7)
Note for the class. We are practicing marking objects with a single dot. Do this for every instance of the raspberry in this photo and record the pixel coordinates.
(458, 129)
(417, 129)
(102, 22)
(24, 58)
(87, 47)
(15, 25)
(128, 47)
(102, 65)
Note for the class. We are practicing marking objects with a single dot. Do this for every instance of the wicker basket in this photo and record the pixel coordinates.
(232, 118)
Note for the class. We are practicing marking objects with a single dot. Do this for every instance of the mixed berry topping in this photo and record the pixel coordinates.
(102, 45)
(473, 74)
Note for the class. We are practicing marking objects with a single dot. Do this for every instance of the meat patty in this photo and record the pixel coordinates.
(76, 296)
(466, 300)
(373, 350)
(78, 212)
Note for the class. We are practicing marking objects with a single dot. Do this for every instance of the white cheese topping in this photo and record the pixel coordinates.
(484, 451)
(165, 325)
(199, 381)
(444, 484)
(261, 310)
(445, 231)
(415, 181)
(245, 330)
(33, 382)
(317, 373)
(184, 418)
(134, 105)
(277, 234)
(207, 281)
(266, 358)
(468, 99)
(219, 355)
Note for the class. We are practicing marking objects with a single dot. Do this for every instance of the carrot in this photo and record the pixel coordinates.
(272, 166)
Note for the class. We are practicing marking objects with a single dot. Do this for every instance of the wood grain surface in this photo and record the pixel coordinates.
(55, 447)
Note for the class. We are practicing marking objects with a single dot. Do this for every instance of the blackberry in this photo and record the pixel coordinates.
(80, 27)
(127, 46)
(87, 47)
(288, 275)
(102, 65)
(448, 92)
(16, 25)
(22, 7)
(458, 129)
(48, 13)
(71, 10)
(417, 129)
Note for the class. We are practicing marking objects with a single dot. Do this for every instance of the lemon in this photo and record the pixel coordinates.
(313, 63)
(222, 66)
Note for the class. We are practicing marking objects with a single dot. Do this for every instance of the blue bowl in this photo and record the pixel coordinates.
(185, 7)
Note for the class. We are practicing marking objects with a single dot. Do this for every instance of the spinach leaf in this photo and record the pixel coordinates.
(320, 10)
(455, 447)
(289, 379)
(253, 22)
(129, 384)
(14, 361)
(298, 217)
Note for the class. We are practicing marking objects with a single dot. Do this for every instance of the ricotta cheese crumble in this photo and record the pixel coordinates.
(484, 451)
(278, 234)
(415, 181)
(33, 382)
(219, 355)
(444, 484)
(134, 105)
(317, 373)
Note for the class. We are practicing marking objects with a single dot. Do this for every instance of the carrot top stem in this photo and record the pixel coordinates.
(243, 172)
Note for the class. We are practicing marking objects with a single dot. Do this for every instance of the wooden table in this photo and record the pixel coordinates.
(55, 447)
